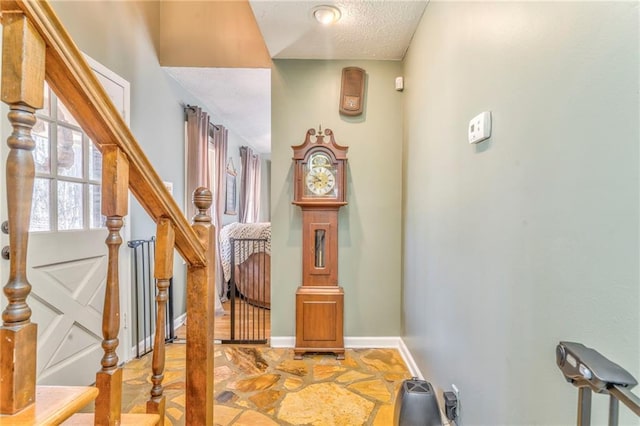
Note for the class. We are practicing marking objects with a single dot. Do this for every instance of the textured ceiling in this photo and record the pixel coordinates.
(237, 98)
(240, 98)
(367, 29)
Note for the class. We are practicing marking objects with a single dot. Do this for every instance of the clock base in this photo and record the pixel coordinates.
(319, 320)
(298, 353)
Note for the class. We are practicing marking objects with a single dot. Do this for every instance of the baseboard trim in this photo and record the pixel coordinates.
(142, 344)
(371, 342)
(282, 341)
(148, 341)
(178, 322)
(393, 342)
(408, 359)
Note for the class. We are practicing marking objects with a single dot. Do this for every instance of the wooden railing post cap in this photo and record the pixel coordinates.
(202, 199)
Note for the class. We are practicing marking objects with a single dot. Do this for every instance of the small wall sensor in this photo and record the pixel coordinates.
(480, 127)
(399, 84)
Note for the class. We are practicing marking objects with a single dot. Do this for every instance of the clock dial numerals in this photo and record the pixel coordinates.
(320, 181)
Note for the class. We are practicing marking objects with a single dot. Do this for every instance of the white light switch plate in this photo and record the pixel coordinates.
(480, 127)
(399, 84)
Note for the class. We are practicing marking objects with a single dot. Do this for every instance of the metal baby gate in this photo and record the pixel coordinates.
(248, 291)
(145, 290)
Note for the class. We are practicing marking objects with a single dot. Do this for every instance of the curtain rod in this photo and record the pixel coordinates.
(193, 108)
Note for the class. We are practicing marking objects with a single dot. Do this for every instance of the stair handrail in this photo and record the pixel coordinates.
(38, 38)
(73, 81)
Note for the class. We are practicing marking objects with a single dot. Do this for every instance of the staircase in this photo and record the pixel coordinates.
(36, 47)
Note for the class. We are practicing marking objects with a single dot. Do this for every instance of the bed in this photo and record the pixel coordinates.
(245, 251)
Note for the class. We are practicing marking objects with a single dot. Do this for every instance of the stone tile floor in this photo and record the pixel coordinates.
(258, 385)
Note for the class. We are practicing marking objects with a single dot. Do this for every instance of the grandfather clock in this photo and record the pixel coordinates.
(320, 191)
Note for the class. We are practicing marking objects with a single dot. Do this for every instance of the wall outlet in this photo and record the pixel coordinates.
(455, 390)
(450, 405)
(458, 410)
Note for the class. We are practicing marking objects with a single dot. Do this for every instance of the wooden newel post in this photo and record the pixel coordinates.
(23, 53)
(165, 241)
(200, 317)
(115, 199)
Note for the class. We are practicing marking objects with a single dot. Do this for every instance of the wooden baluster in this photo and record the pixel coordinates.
(23, 69)
(200, 317)
(165, 241)
(115, 183)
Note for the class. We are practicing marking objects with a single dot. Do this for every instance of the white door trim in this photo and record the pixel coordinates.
(125, 334)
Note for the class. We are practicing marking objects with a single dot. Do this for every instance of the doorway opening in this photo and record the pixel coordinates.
(238, 101)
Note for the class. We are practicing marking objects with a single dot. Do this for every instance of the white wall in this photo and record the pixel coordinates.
(532, 237)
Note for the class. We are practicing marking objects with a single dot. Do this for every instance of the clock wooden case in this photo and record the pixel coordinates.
(320, 191)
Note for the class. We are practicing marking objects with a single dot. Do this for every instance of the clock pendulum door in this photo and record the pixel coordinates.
(320, 301)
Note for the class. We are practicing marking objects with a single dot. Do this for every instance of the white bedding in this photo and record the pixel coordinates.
(242, 230)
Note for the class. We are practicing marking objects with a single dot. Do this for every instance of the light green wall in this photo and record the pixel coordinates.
(265, 188)
(305, 95)
(532, 237)
(121, 36)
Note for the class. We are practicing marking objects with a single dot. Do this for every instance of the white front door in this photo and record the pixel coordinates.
(67, 255)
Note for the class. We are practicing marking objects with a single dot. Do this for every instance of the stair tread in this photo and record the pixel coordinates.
(53, 405)
(126, 419)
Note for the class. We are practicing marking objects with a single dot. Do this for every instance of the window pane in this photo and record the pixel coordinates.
(64, 115)
(69, 205)
(42, 152)
(95, 163)
(40, 209)
(46, 110)
(69, 152)
(97, 220)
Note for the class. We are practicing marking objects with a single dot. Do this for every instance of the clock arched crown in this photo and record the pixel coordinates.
(320, 170)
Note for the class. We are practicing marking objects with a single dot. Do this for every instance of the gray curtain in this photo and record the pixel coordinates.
(218, 141)
(197, 155)
(199, 134)
(249, 205)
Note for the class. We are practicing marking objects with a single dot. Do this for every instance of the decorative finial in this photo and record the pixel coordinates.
(202, 200)
(320, 130)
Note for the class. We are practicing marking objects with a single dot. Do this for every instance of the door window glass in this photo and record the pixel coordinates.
(42, 153)
(64, 116)
(69, 152)
(70, 206)
(95, 163)
(41, 207)
(66, 193)
(97, 220)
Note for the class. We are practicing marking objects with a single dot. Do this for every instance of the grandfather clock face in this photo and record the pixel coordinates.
(320, 177)
(320, 171)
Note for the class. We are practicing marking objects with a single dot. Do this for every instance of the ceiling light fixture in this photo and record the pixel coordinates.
(326, 15)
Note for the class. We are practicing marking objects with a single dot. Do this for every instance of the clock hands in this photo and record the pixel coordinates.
(320, 180)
